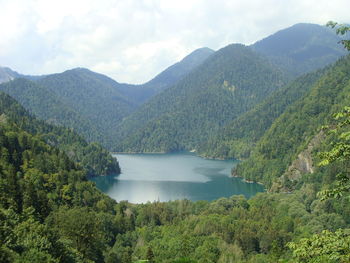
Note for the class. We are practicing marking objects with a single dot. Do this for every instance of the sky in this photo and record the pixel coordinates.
(133, 40)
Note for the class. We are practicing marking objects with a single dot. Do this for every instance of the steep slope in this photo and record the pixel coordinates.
(92, 157)
(175, 72)
(141, 93)
(227, 84)
(238, 138)
(301, 48)
(292, 131)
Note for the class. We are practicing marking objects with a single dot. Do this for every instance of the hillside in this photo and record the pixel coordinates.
(292, 131)
(229, 83)
(48, 106)
(6, 74)
(141, 93)
(91, 103)
(50, 213)
(237, 139)
(91, 157)
(93, 96)
(301, 48)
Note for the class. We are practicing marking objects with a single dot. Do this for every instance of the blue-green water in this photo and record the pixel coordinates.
(164, 177)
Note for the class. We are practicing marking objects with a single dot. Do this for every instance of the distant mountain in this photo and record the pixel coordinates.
(301, 48)
(141, 93)
(177, 71)
(81, 99)
(95, 97)
(7, 74)
(227, 84)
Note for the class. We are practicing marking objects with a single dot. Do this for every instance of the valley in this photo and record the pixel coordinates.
(280, 106)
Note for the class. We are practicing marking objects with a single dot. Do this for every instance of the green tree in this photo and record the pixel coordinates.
(341, 29)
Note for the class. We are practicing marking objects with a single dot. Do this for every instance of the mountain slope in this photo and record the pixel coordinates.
(301, 48)
(291, 132)
(226, 85)
(7, 74)
(167, 78)
(238, 138)
(48, 106)
(92, 157)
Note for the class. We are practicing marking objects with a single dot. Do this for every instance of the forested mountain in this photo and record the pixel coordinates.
(301, 48)
(91, 157)
(48, 106)
(91, 103)
(238, 138)
(99, 108)
(81, 99)
(292, 131)
(167, 78)
(227, 84)
(50, 213)
(93, 96)
(7, 74)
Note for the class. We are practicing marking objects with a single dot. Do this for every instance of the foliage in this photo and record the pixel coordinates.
(341, 29)
(340, 153)
(327, 247)
(301, 48)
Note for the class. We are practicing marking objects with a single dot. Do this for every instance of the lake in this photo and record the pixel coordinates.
(164, 177)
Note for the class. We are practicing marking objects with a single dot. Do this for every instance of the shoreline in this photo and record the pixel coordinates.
(246, 180)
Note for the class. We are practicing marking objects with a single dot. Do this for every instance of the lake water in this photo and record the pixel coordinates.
(164, 177)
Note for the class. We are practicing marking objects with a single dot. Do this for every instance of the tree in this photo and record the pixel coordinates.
(340, 153)
(341, 29)
(331, 246)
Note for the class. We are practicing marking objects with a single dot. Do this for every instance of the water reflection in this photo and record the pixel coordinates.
(173, 176)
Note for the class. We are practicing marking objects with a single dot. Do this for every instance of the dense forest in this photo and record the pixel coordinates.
(200, 105)
(295, 139)
(90, 156)
(50, 213)
(90, 103)
(196, 107)
(298, 124)
(238, 138)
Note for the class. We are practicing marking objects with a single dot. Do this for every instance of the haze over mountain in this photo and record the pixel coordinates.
(228, 83)
(301, 48)
(7, 74)
(91, 103)
(167, 78)
(292, 136)
(208, 89)
(172, 121)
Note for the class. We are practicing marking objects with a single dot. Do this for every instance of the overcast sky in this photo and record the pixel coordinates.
(133, 40)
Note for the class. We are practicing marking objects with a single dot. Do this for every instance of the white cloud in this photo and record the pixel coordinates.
(133, 40)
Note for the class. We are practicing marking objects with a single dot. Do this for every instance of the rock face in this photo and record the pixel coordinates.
(302, 165)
